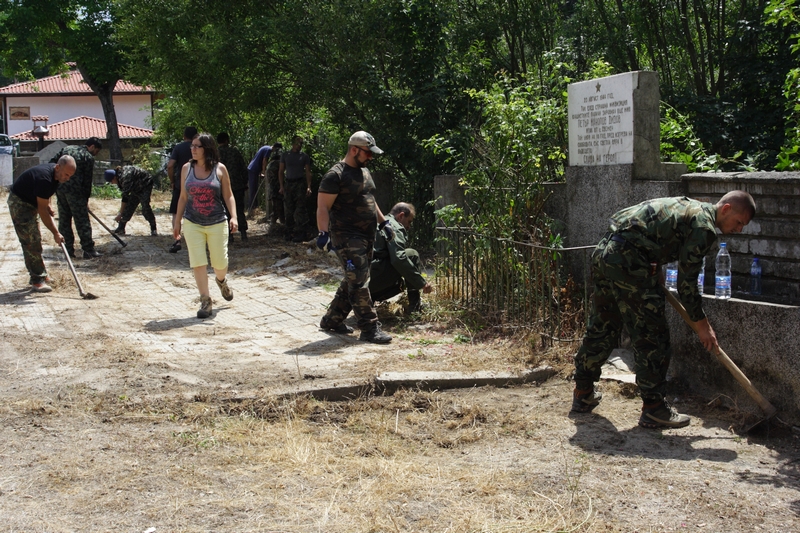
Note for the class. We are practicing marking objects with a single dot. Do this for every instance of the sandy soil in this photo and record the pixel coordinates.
(127, 413)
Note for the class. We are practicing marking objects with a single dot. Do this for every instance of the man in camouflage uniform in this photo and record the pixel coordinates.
(627, 292)
(136, 185)
(73, 198)
(28, 199)
(294, 175)
(347, 217)
(396, 267)
(231, 157)
(275, 196)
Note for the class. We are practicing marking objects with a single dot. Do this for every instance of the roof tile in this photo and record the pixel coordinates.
(81, 128)
(69, 83)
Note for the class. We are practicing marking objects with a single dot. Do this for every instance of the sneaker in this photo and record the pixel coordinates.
(153, 232)
(226, 291)
(244, 235)
(662, 415)
(41, 286)
(376, 335)
(583, 401)
(342, 328)
(205, 307)
(120, 230)
(91, 254)
(175, 248)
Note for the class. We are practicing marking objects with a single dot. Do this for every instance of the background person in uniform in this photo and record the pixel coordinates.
(347, 217)
(627, 292)
(136, 185)
(231, 157)
(73, 197)
(180, 155)
(205, 195)
(275, 196)
(294, 176)
(255, 170)
(395, 266)
(28, 198)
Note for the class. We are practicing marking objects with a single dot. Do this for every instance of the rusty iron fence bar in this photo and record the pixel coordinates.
(510, 284)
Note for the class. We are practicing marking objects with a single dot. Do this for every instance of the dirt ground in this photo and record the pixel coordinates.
(127, 413)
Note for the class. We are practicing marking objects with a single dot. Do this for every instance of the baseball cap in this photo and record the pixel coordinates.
(109, 175)
(362, 138)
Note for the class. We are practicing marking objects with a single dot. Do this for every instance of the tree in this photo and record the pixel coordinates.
(50, 33)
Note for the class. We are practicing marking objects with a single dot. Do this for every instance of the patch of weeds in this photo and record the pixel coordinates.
(461, 339)
(428, 342)
(192, 438)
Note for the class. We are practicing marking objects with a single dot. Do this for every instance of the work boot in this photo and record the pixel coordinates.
(585, 399)
(205, 307)
(120, 229)
(91, 254)
(414, 301)
(660, 414)
(374, 334)
(226, 291)
(175, 248)
(342, 328)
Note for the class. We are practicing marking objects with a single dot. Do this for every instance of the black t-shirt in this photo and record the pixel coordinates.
(36, 182)
(182, 154)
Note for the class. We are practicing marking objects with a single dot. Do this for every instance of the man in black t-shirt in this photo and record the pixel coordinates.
(347, 216)
(180, 155)
(30, 197)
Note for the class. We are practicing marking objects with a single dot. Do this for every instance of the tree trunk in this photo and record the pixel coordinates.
(105, 92)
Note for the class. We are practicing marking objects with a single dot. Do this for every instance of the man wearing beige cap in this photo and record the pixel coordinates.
(347, 218)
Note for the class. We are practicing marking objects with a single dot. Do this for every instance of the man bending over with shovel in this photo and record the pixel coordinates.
(136, 185)
(627, 292)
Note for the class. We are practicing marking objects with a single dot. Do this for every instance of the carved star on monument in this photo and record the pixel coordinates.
(597, 87)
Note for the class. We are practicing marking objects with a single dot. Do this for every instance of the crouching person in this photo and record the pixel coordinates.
(136, 185)
(396, 267)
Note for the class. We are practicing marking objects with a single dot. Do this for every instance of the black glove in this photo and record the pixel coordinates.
(324, 241)
(387, 230)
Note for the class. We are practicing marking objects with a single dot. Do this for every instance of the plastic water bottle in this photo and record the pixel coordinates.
(722, 277)
(755, 277)
(672, 276)
(701, 277)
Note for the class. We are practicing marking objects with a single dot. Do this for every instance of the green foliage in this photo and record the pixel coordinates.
(786, 13)
(106, 191)
(679, 143)
(517, 146)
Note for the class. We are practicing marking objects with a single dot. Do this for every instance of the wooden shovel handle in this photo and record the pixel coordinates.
(723, 358)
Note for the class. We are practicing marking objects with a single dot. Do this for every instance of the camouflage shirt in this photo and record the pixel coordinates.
(80, 182)
(231, 157)
(354, 211)
(133, 181)
(672, 229)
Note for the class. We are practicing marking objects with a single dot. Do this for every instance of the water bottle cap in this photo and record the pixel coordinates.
(723, 245)
(755, 260)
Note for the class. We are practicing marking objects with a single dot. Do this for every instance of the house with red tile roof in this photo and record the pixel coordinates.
(65, 97)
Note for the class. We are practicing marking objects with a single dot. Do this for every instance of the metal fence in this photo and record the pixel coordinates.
(514, 284)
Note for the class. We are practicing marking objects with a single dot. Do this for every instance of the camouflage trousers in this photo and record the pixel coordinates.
(72, 205)
(26, 223)
(295, 207)
(355, 253)
(626, 294)
(134, 200)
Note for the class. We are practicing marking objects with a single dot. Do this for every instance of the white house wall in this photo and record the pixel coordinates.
(133, 110)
